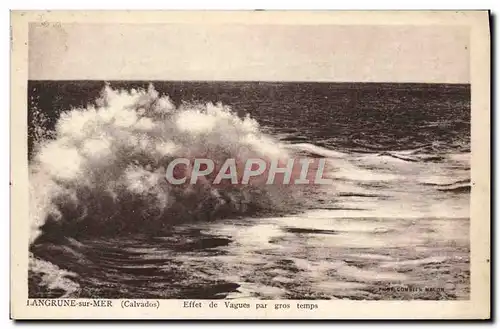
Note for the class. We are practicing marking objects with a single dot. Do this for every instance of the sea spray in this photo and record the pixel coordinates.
(51, 277)
(103, 169)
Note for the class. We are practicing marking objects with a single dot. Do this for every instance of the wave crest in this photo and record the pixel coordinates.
(104, 169)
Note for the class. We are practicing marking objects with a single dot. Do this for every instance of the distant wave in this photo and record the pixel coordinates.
(294, 139)
(315, 150)
(414, 158)
(460, 186)
(103, 170)
(460, 182)
(456, 189)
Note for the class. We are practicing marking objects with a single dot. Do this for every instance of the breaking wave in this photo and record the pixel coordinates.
(103, 169)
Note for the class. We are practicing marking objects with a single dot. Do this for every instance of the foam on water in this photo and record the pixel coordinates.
(53, 277)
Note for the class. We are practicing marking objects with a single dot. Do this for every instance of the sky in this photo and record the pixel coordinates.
(343, 53)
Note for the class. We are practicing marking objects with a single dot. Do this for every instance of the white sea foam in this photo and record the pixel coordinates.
(106, 163)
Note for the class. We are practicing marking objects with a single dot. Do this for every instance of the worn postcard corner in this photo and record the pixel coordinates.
(250, 165)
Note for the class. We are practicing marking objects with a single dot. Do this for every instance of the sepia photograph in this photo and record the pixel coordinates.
(233, 161)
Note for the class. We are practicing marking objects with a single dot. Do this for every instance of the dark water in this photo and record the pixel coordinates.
(343, 116)
(397, 215)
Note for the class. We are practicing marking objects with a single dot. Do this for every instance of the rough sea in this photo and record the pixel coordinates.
(105, 224)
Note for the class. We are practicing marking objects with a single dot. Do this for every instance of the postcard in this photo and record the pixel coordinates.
(250, 165)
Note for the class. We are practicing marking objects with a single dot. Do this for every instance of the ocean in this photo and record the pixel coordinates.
(393, 225)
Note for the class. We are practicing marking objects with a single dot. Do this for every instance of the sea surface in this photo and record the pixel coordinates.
(393, 225)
